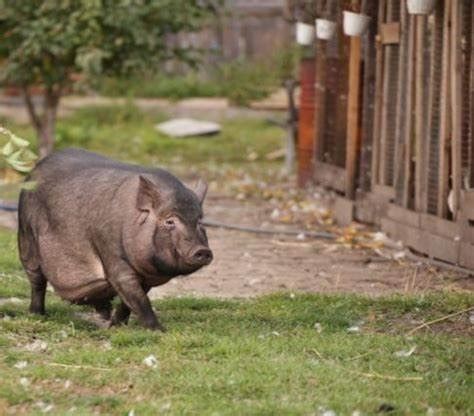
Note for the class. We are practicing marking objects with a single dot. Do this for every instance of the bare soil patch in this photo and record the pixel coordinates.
(248, 265)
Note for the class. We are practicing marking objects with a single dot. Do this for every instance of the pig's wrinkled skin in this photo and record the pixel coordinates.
(95, 228)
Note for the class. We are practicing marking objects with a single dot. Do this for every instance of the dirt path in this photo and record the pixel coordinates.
(249, 265)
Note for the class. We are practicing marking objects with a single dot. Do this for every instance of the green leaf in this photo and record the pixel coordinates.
(28, 155)
(8, 149)
(18, 141)
(14, 157)
(29, 185)
(21, 167)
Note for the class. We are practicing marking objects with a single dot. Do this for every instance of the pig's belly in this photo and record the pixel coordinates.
(76, 275)
(90, 292)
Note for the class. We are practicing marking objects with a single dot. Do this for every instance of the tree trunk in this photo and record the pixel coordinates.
(46, 124)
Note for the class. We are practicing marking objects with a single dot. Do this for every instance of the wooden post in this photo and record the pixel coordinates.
(420, 156)
(319, 98)
(378, 99)
(306, 122)
(443, 174)
(353, 116)
(456, 105)
(399, 165)
(407, 172)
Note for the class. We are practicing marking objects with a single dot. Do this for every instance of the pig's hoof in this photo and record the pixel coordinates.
(118, 322)
(154, 326)
(38, 311)
(162, 328)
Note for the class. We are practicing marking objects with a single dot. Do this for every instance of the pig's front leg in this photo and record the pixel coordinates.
(127, 284)
(122, 312)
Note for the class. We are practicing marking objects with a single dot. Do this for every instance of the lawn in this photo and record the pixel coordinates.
(279, 354)
(126, 133)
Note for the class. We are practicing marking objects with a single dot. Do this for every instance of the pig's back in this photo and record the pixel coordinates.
(77, 189)
(70, 162)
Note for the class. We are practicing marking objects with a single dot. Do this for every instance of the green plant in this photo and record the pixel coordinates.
(16, 152)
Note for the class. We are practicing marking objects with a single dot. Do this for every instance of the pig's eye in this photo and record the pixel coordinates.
(170, 223)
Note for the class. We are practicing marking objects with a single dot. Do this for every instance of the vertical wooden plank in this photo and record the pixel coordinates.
(471, 101)
(319, 98)
(420, 157)
(456, 105)
(368, 69)
(383, 116)
(353, 116)
(377, 100)
(433, 149)
(445, 125)
(306, 122)
(408, 143)
(399, 167)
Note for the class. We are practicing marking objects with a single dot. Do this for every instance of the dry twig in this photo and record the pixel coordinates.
(363, 374)
(443, 318)
(79, 367)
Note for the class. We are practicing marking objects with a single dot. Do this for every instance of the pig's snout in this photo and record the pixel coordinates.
(202, 256)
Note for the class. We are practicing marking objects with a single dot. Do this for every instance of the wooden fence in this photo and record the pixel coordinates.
(394, 121)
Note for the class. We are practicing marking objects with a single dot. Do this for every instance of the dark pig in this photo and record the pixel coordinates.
(95, 228)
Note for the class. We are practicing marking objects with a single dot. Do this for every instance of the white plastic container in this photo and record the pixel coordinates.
(304, 33)
(355, 24)
(420, 6)
(325, 29)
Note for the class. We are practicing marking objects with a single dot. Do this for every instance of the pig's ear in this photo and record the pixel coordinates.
(148, 195)
(201, 190)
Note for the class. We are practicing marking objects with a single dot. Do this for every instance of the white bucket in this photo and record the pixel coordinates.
(325, 29)
(420, 6)
(355, 24)
(304, 33)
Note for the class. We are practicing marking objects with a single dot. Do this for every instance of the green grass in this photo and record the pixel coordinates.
(126, 133)
(240, 81)
(237, 357)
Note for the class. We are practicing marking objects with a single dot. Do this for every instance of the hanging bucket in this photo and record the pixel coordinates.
(355, 24)
(420, 6)
(325, 29)
(304, 33)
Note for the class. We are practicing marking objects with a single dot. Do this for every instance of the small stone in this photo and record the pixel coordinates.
(37, 346)
(151, 361)
(25, 382)
(353, 329)
(183, 127)
(20, 365)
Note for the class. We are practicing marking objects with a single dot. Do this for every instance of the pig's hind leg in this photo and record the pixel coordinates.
(104, 309)
(38, 290)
